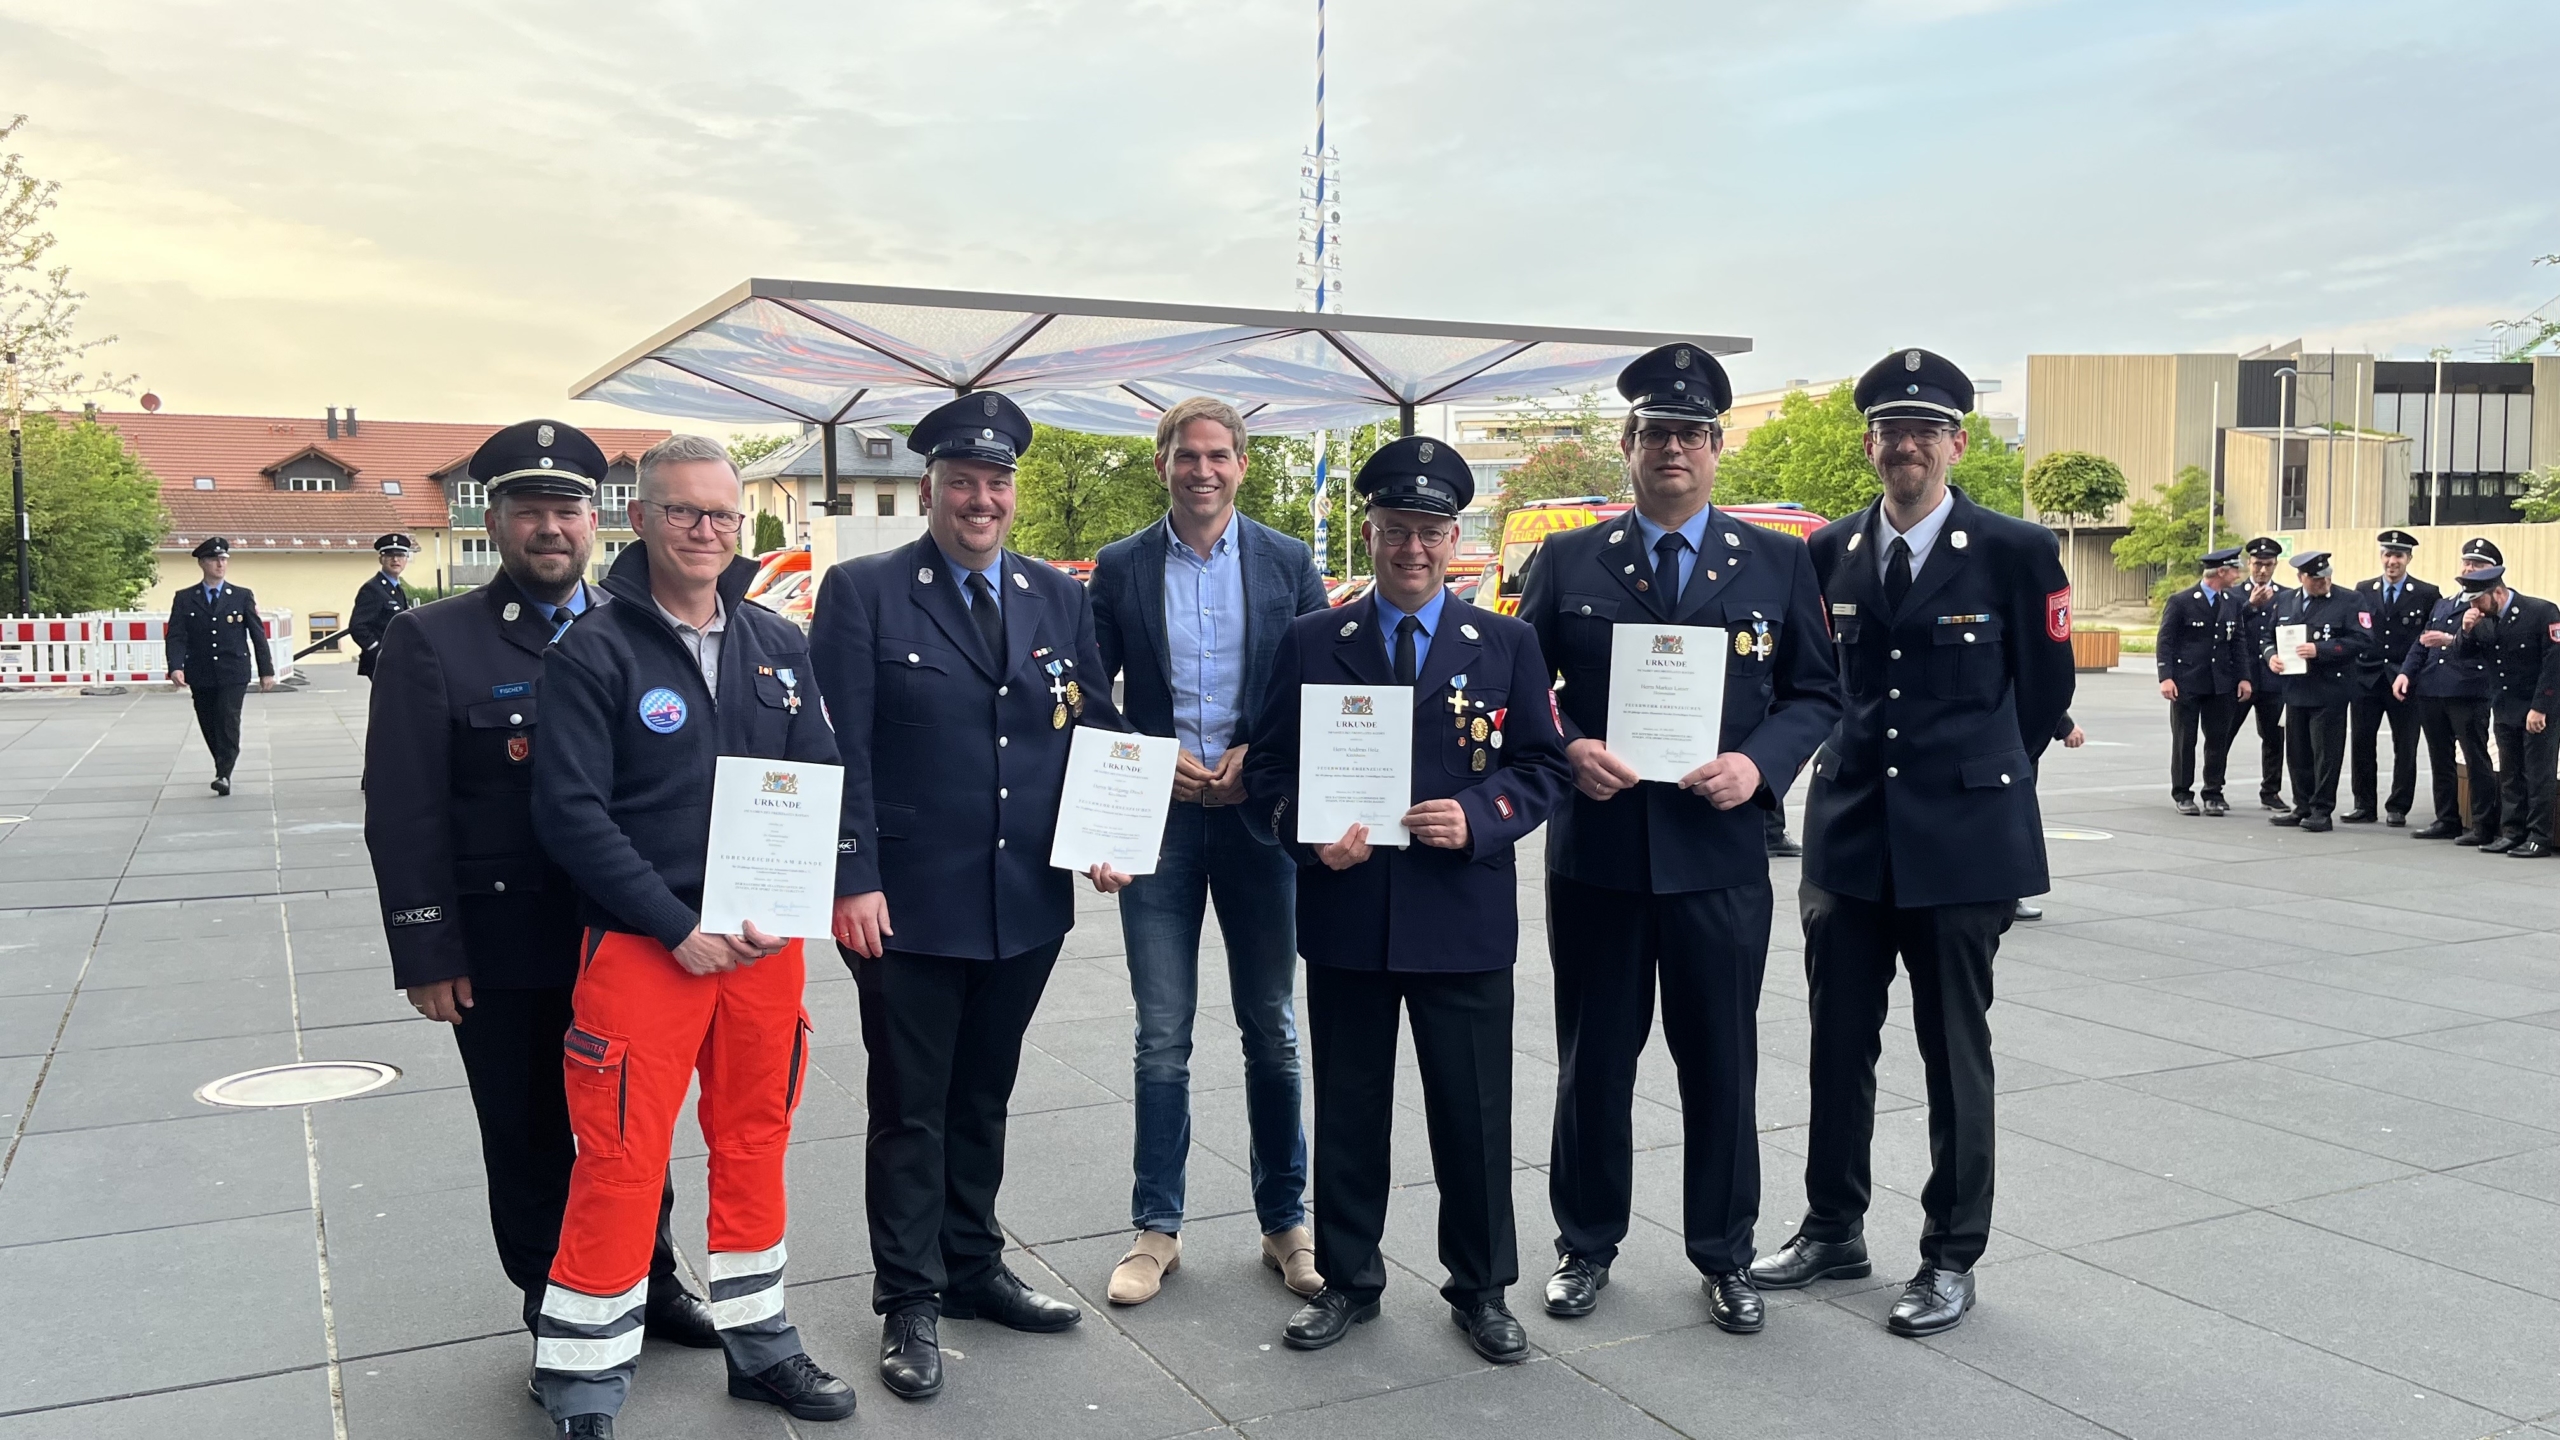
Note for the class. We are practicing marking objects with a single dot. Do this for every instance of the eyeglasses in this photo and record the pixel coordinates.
(1921, 433)
(1691, 437)
(685, 517)
(1396, 537)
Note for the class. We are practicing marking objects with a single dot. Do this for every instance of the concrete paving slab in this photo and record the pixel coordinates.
(412, 1270)
(2535, 1173)
(2378, 1122)
(1542, 1397)
(200, 1010)
(292, 1406)
(29, 1023)
(85, 1088)
(2253, 1164)
(2475, 1228)
(2189, 1021)
(67, 1184)
(2482, 1087)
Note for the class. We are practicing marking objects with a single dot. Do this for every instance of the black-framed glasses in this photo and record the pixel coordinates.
(1690, 437)
(685, 517)
(1890, 433)
(1432, 537)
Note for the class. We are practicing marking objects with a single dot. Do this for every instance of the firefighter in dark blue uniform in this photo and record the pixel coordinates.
(957, 672)
(1649, 882)
(483, 927)
(380, 598)
(2453, 690)
(2322, 674)
(2259, 597)
(2399, 606)
(2203, 668)
(1921, 828)
(214, 641)
(1427, 929)
(2518, 638)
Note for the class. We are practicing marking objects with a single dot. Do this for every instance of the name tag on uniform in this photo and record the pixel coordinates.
(1837, 608)
(509, 692)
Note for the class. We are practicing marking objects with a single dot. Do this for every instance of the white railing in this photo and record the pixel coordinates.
(107, 647)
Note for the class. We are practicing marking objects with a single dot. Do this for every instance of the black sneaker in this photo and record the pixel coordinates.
(797, 1385)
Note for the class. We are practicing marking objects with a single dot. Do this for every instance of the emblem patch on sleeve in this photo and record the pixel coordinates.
(2555, 633)
(1502, 806)
(2365, 618)
(2057, 616)
(423, 915)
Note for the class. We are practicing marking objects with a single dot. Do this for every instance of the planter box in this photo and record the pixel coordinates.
(2095, 649)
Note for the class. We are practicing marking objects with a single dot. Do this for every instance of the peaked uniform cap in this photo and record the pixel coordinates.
(1676, 382)
(539, 457)
(983, 426)
(1417, 472)
(1915, 385)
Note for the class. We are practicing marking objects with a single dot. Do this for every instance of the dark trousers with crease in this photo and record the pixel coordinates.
(2364, 764)
(1462, 1039)
(1708, 950)
(218, 717)
(945, 1042)
(510, 1044)
(2460, 727)
(1850, 946)
(2526, 778)
(2218, 718)
(2315, 750)
(2269, 709)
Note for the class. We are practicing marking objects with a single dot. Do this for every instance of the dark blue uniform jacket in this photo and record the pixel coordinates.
(1949, 703)
(466, 889)
(2200, 644)
(1421, 907)
(2341, 629)
(622, 781)
(221, 642)
(378, 601)
(2520, 650)
(954, 758)
(2395, 625)
(1280, 584)
(2449, 672)
(1781, 694)
(2258, 635)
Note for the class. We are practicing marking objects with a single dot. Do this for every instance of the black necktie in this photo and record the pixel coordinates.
(1897, 574)
(1666, 568)
(982, 610)
(1406, 669)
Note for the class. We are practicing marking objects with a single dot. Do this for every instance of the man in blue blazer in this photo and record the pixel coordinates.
(1187, 612)
(959, 672)
(1429, 929)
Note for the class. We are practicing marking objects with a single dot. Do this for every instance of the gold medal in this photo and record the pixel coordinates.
(1741, 642)
(1479, 729)
(1479, 762)
(1058, 718)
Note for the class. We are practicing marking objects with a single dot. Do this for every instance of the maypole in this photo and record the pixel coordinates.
(1320, 264)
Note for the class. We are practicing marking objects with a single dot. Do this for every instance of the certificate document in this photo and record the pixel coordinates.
(1111, 809)
(772, 854)
(1666, 697)
(2286, 662)
(1355, 762)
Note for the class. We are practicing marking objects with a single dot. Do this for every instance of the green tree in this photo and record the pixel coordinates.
(2540, 502)
(1076, 493)
(1990, 472)
(745, 450)
(95, 518)
(2077, 486)
(1813, 452)
(1279, 489)
(769, 535)
(2169, 531)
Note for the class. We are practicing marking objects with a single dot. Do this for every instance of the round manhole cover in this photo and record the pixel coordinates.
(306, 1083)
(2073, 832)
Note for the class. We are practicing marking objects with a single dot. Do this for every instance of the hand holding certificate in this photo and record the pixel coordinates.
(1355, 762)
(2285, 661)
(772, 852)
(1111, 808)
(1666, 698)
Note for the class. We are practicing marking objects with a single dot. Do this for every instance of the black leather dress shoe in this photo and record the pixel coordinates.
(2396, 819)
(2316, 825)
(587, 1427)
(2216, 805)
(2499, 846)
(1802, 1260)
(2441, 830)
(2472, 837)
(2358, 816)
(1733, 1304)
(2186, 806)
(1493, 1330)
(1574, 1290)
(911, 1354)
(1003, 1298)
(798, 1385)
(1325, 1319)
(2289, 817)
(2272, 802)
(222, 786)
(1934, 1301)
(2021, 910)
(2529, 850)
(679, 1317)
(1784, 848)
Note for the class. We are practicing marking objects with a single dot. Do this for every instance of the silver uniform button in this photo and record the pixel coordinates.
(500, 886)
(913, 658)
(999, 844)
(1004, 690)
(1893, 694)
(1968, 637)
(1890, 773)
(1003, 793)
(515, 719)
(1892, 734)
(2004, 779)
(1003, 740)
(1897, 654)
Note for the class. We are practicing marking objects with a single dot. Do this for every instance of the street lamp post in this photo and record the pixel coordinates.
(18, 484)
(2287, 379)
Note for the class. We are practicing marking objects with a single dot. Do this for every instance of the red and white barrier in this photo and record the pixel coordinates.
(107, 648)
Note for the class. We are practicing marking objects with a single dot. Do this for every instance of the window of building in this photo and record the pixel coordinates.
(390, 487)
(2294, 505)
(887, 501)
(323, 622)
(876, 449)
(204, 482)
(616, 547)
(311, 482)
(470, 494)
(477, 550)
(615, 501)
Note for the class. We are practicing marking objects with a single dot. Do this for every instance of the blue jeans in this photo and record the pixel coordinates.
(1208, 855)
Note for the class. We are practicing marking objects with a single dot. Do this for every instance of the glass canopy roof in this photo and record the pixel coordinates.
(785, 350)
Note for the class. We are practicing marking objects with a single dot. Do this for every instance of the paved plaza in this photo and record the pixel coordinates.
(2280, 1156)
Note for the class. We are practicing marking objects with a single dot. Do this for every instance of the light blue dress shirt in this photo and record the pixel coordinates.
(1389, 617)
(1204, 633)
(1693, 530)
(960, 576)
(575, 605)
(213, 593)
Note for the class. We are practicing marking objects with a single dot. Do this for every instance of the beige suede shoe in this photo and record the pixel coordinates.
(1292, 1252)
(1140, 1273)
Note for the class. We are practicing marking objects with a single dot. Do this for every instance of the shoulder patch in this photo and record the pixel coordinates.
(422, 915)
(2057, 616)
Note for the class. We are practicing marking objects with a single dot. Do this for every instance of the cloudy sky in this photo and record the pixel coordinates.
(453, 210)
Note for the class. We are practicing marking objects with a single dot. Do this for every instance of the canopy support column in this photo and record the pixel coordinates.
(836, 504)
(1404, 419)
